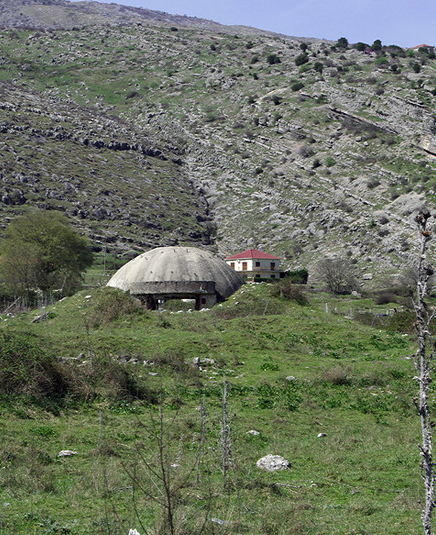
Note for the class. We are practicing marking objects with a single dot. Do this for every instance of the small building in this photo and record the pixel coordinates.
(177, 273)
(256, 265)
(430, 48)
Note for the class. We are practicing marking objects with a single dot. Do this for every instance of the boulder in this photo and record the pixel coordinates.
(273, 463)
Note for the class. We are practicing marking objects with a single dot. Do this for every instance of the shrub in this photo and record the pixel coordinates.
(318, 66)
(301, 59)
(384, 297)
(27, 369)
(132, 94)
(297, 86)
(110, 305)
(382, 60)
(299, 276)
(361, 47)
(342, 42)
(287, 290)
(273, 59)
(336, 376)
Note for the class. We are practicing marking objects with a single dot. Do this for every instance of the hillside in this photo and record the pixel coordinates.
(165, 130)
(136, 393)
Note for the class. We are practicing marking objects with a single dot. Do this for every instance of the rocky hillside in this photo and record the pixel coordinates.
(155, 132)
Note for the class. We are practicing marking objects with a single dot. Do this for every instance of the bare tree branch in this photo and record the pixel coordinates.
(423, 360)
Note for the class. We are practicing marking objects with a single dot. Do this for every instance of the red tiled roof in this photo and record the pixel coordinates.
(252, 253)
(421, 46)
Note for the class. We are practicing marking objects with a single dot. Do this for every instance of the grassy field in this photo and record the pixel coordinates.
(160, 407)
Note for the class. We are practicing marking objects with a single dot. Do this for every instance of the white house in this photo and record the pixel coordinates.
(255, 265)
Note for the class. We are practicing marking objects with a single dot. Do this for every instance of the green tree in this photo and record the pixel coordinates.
(342, 42)
(416, 66)
(40, 251)
(360, 46)
(376, 45)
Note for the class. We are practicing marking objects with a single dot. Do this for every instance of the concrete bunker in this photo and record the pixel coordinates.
(177, 273)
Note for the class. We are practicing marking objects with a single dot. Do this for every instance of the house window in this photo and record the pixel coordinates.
(203, 300)
(244, 266)
(273, 266)
(273, 276)
(232, 265)
(257, 264)
(257, 275)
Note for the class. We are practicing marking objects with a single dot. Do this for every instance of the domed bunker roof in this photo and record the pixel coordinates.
(177, 272)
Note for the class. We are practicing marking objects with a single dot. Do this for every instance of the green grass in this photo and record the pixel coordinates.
(351, 382)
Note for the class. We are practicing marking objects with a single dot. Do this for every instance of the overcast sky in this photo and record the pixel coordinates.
(400, 22)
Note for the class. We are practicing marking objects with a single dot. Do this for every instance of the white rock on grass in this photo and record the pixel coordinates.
(273, 462)
(67, 453)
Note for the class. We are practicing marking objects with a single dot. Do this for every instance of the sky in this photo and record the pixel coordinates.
(405, 23)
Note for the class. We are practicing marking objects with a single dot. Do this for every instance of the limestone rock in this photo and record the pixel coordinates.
(272, 463)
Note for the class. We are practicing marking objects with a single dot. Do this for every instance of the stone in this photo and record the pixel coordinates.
(67, 453)
(273, 462)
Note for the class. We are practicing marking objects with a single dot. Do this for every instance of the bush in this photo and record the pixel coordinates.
(342, 43)
(27, 369)
(416, 66)
(384, 297)
(110, 305)
(382, 60)
(297, 86)
(301, 59)
(273, 59)
(360, 46)
(298, 276)
(287, 290)
(318, 66)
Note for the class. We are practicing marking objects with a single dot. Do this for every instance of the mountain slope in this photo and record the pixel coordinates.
(160, 134)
